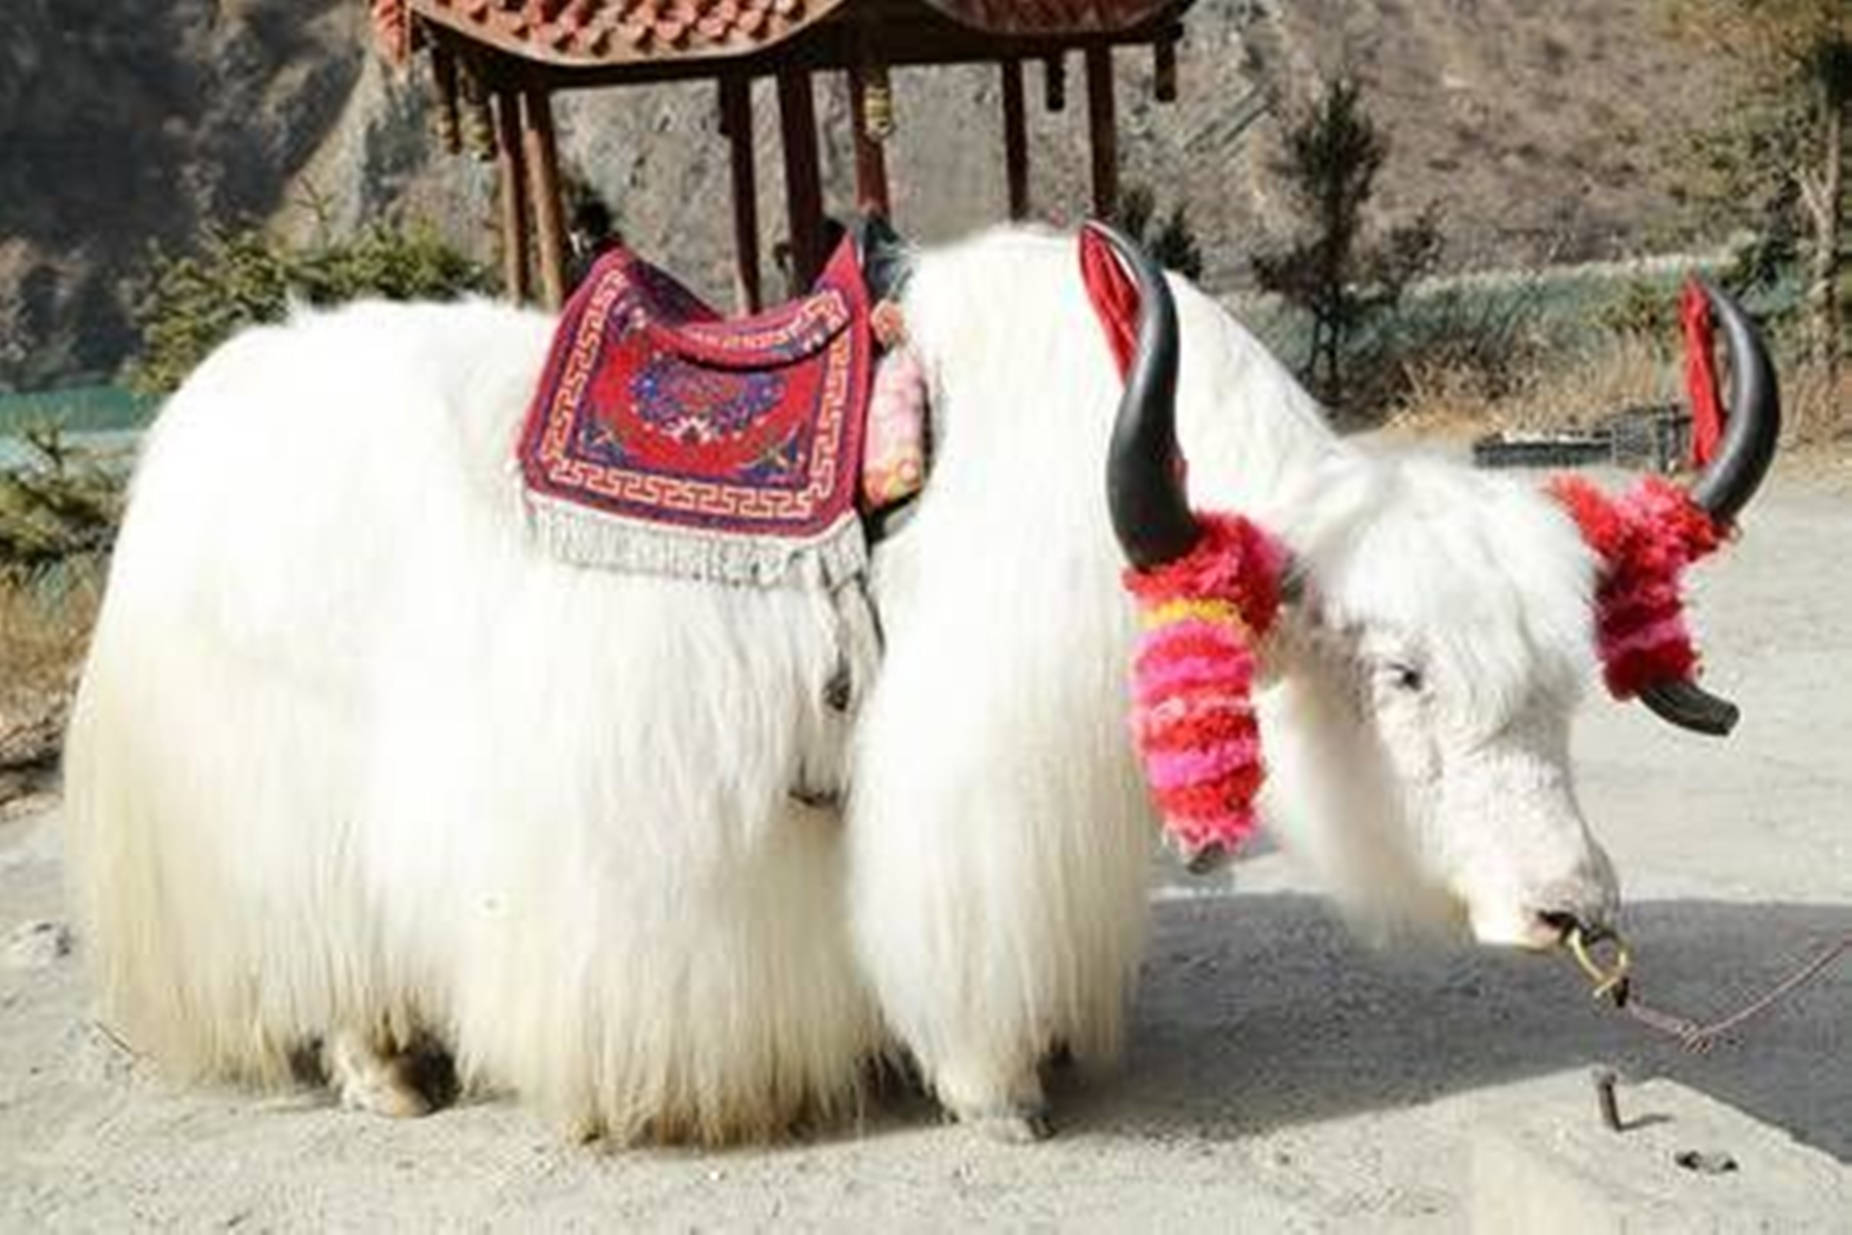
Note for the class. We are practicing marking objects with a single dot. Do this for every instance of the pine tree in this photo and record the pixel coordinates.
(1330, 163)
(1172, 243)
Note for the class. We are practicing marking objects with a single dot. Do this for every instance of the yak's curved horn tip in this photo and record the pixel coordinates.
(1209, 859)
(1690, 706)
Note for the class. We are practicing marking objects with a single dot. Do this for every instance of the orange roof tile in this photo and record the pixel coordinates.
(600, 31)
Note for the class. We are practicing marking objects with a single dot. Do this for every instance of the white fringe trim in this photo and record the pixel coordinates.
(593, 538)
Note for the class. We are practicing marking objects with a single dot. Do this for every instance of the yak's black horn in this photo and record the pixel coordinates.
(1725, 487)
(1144, 489)
(1754, 425)
(1690, 706)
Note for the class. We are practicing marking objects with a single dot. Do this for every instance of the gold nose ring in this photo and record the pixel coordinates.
(1610, 978)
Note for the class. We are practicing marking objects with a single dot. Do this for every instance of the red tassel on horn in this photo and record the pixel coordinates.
(1645, 540)
(1694, 313)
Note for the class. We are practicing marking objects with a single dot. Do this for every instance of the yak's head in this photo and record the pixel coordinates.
(1432, 640)
(1435, 647)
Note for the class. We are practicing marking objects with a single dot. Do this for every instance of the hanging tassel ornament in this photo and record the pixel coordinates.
(1054, 82)
(878, 102)
(446, 116)
(479, 123)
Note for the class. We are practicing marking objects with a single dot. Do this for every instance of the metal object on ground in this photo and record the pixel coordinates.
(1705, 1162)
(1651, 437)
(1565, 449)
(1648, 438)
(1605, 1100)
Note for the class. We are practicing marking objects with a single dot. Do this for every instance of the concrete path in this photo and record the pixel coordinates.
(1280, 1077)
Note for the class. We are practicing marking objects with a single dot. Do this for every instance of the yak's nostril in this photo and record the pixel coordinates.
(1561, 922)
(1589, 904)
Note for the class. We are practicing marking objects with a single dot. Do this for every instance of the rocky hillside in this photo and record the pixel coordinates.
(124, 123)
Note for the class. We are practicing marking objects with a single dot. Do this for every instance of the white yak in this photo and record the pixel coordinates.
(356, 769)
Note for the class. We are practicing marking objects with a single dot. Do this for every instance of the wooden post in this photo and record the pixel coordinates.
(543, 163)
(736, 123)
(1102, 131)
(1164, 70)
(797, 115)
(869, 83)
(1015, 139)
(511, 173)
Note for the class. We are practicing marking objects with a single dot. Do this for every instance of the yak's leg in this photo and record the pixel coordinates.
(998, 870)
(1001, 1098)
(940, 962)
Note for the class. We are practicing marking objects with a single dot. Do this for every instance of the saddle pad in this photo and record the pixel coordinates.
(665, 438)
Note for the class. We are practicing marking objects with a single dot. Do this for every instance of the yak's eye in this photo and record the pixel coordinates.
(1403, 677)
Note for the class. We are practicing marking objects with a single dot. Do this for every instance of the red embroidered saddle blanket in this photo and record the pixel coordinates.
(665, 438)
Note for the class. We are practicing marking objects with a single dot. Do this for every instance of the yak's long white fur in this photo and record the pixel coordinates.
(350, 753)
(352, 757)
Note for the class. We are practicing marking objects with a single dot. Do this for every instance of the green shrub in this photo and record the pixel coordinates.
(1342, 282)
(1643, 307)
(1172, 243)
(59, 507)
(61, 504)
(1499, 336)
(238, 278)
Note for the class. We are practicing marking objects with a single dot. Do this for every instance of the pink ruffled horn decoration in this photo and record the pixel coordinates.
(1193, 676)
(1207, 586)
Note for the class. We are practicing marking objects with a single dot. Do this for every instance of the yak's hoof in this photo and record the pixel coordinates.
(1013, 1127)
(383, 1092)
(392, 1099)
(399, 1085)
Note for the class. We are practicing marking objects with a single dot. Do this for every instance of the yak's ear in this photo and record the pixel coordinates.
(1295, 581)
(1298, 627)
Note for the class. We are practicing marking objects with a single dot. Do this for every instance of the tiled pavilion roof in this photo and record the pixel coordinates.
(495, 66)
(593, 32)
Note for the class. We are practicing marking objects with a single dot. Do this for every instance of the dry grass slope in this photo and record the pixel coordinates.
(1576, 392)
(44, 629)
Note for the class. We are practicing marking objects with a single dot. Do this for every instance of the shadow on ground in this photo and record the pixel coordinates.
(1259, 1012)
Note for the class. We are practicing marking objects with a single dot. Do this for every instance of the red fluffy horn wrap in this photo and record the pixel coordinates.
(1645, 539)
(1204, 605)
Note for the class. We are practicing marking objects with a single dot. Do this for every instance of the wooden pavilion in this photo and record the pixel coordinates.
(496, 64)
